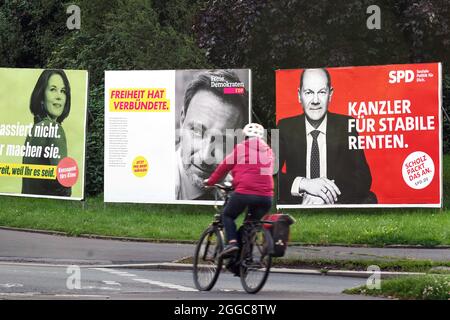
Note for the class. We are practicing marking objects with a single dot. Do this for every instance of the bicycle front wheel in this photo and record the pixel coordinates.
(207, 264)
(256, 260)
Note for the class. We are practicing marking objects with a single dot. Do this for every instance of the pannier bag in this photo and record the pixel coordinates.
(279, 229)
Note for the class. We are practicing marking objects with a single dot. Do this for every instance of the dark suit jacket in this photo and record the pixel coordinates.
(348, 168)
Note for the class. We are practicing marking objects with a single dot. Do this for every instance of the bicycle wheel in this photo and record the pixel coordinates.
(207, 264)
(256, 260)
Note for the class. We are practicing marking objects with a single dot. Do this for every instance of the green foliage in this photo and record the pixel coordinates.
(180, 222)
(446, 113)
(95, 142)
(358, 263)
(258, 34)
(29, 30)
(270, 35)
(114, 35)
(125, 35)
(428, 287)
(179, 14)
(122, 35)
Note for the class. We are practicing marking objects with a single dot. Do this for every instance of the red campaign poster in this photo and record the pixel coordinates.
(380, 142)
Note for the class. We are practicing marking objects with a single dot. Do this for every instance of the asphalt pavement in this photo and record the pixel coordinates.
(22, 246)
(27, 281)
(37, 266)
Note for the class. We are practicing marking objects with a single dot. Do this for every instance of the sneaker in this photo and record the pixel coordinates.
(233, 268)
(229, 250)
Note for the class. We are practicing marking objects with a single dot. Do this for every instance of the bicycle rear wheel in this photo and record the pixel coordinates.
(207, 264)
(256, 260)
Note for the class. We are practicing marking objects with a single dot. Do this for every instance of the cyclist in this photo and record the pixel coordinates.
(251, 164)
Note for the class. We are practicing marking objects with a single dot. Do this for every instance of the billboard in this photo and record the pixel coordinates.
(163, 128)
(43, 132)
(360, 136)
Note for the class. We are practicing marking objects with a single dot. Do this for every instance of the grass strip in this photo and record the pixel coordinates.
(401, 265)
(424, 266)
(426, 287)
(426, 227)
(373, 227)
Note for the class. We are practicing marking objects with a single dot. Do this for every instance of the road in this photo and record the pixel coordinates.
(35, 247)
(33, 266)
(33, 281)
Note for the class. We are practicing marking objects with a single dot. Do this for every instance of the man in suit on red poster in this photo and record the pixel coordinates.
(317, 165)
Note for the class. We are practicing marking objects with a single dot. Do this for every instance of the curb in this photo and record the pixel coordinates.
(387, 246)
(98, 237)
(293, 244)
(367, 274)
(188, 267)
(56, 233)
(337, 273)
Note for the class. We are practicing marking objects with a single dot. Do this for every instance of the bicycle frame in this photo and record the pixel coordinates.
(241, 263)
(248, 223)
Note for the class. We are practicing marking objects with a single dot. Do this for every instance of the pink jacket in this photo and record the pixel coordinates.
(251, 165)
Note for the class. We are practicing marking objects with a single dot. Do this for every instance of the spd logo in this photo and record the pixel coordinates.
(401, 75)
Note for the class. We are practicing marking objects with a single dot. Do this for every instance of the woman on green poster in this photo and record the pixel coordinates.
(50, 105)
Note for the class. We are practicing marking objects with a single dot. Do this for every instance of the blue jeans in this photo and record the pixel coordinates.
(258, 206)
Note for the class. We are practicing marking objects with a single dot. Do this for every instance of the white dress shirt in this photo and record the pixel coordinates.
(322, 143)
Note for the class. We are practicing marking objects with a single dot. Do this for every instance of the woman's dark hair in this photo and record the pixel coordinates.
(37, 106)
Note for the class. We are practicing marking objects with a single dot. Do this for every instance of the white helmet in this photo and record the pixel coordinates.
(254, 130)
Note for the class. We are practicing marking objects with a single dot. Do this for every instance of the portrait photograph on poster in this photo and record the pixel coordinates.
(360, 136)
(43, 132)
(167, 130)
(224, 158)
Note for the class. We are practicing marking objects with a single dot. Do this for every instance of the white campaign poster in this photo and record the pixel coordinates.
(162, 128)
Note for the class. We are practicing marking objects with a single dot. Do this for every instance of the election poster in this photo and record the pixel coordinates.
(360, 136)
(43, 132)
(167, 130)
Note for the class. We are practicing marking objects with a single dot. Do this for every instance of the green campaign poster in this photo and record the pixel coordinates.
(43, 132)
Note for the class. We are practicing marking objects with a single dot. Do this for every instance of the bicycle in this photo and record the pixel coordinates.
(253, 261)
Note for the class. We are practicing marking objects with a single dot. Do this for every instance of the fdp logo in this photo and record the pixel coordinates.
(397, 76)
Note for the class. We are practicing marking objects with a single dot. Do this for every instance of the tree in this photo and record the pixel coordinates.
(29, 31)
(179, 14)
(119, 35)
(269, 35)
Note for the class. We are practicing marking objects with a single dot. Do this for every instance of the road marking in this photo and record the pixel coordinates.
(102, 269)
(17, 294)
(11, 285)
(147, 281)
(100, 288)
(80, 296)
(111, 283)
(116, 272)
(166, 285)
(123, 274)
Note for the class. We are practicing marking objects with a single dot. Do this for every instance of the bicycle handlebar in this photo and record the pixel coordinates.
(225, 186)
